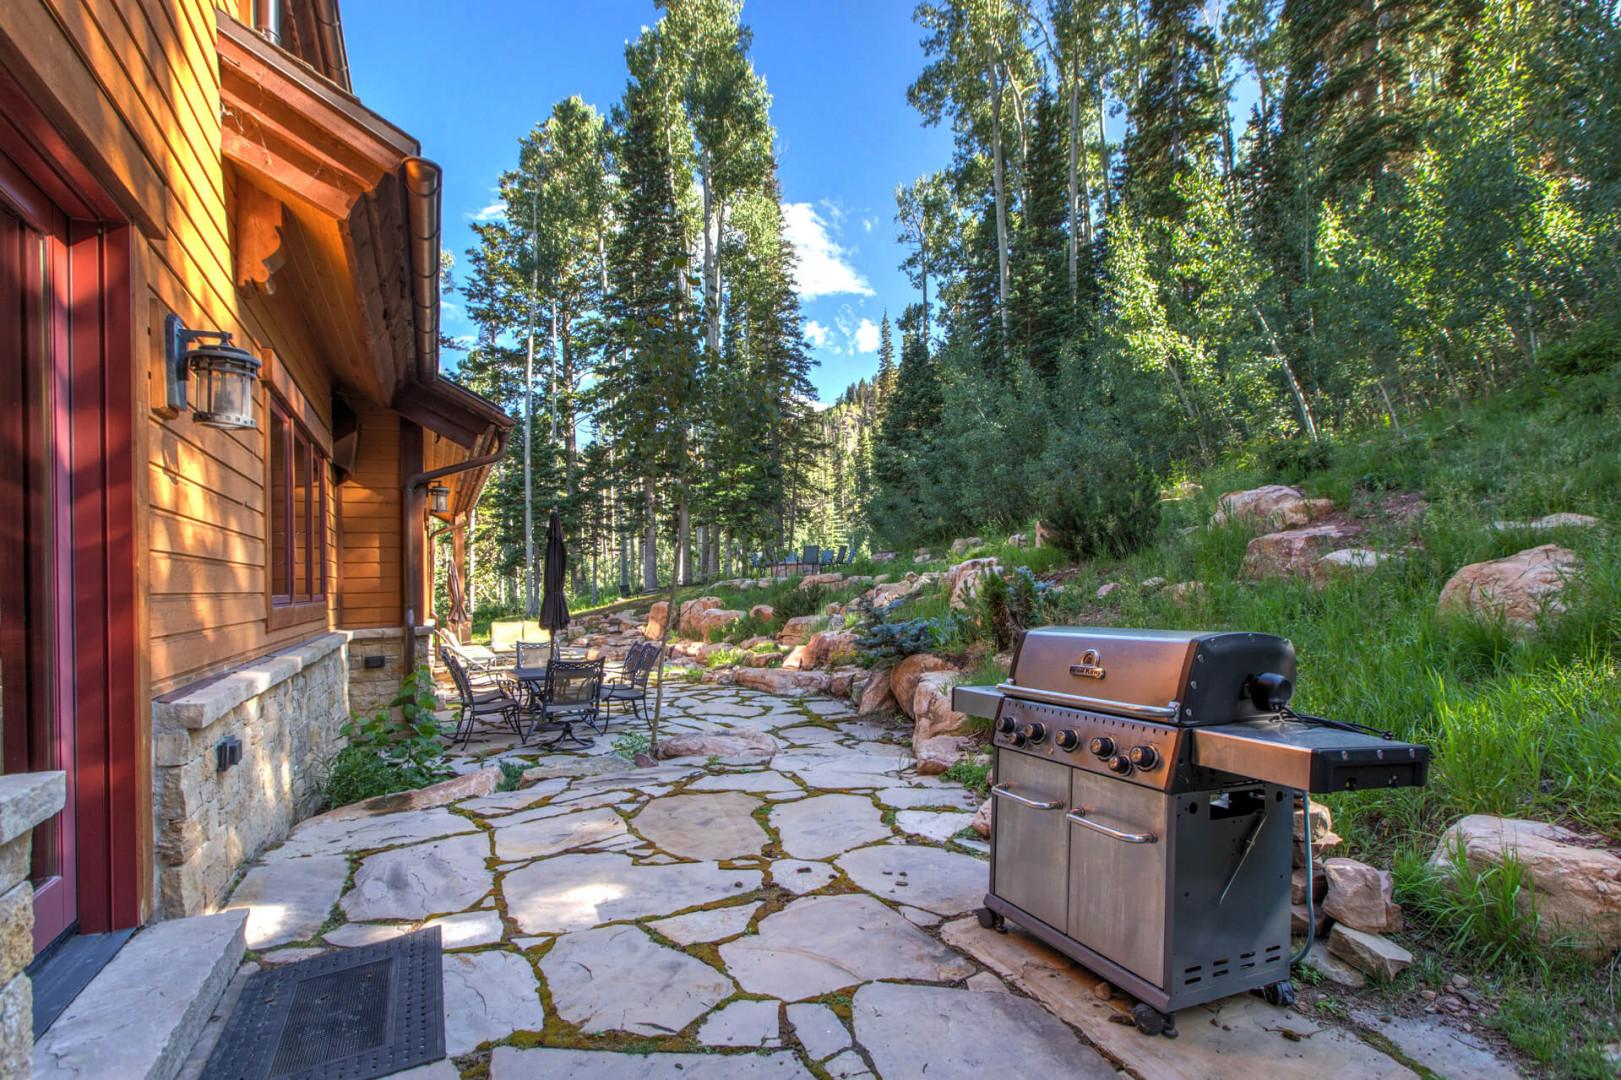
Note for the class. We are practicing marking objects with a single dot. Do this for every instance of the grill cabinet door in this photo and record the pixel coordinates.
(1117, 882)
(1030, 860)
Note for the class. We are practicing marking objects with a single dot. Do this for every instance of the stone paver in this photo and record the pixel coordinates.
(488, 995)
(949, 1034)
(826, 825)
(938, 826)
(506, 802)
(760, 783)
(289, 902)
(468, 930)
(927, 877)
(422, 880)
(616, 978)
(354, 935)
(911, 798)
(331, 836)
(510, 1064)
(799, 876)
(537, 837)
(820, 944)
(819, 1029)
(742, 1023)
(718, 826)
(574, 892)
(712, 924)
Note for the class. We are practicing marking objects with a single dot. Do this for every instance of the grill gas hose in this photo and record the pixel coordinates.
(1311, 902)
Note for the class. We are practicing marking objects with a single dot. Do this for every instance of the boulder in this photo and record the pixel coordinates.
(833, 609)
(756, 641)
(443, 793)
(1018, 540)
(1574, 885)
(921, 555)
(828, 647)
(762, 612)
(903, 676)
(1518, 588)
(883, 556)
(932, 714)
(940, 753)
(1369, 953)
(730, 745)
(1548, 522)
(1152, 584)
(687, 621)
(1292, 553)
(798, 630)
(1347, 562)
(1107, 589)
(1273, 506)
(1297, 884)
(715, 619)
(783, 680)
(841, 681)
(887, 593)
(811, 581)
(965, 544)
(982, 820)
(1360, 896)
(1298, 922)
(877, 695)
(1187, 593)
(656, 617)
(963, 579)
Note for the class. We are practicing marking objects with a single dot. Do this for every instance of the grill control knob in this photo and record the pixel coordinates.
(1102, 746)
(1006, 725)
(1018, 738)
(1036, 732)
(1144, 757)
(1067, 740)
(1120, 764)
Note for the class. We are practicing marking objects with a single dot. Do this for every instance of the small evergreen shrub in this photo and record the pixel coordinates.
(511, 776)
(1108, 509)
(800, 602)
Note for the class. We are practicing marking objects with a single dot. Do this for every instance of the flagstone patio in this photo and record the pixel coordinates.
(806, 917)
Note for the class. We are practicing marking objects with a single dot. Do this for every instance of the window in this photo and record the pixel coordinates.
(297, 491)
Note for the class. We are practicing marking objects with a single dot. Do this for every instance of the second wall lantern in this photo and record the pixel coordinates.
(225, 375)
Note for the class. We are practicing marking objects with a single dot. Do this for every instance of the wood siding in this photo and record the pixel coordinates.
(369, 542)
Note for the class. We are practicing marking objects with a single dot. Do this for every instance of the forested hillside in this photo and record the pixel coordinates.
(1122, 276)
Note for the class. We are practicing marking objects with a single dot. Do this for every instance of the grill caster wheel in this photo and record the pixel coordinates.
(990, 920)
(1150, 1021)
(1279, 993)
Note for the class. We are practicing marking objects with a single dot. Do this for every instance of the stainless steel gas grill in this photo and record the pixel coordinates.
(1144, 788)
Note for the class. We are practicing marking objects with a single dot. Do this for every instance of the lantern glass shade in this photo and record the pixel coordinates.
(438, 499)
(225, 377)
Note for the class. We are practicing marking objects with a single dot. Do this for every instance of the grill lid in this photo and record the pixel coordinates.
(1171, 676)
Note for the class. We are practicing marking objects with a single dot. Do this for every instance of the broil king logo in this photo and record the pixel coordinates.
(1089, 667)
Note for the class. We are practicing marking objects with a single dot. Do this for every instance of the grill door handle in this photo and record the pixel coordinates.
(1078, 816)
(1025, 800)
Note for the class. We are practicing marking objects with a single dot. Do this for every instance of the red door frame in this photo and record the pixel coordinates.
(96, 557)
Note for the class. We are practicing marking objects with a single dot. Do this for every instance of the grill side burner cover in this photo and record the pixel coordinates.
(1172, 676)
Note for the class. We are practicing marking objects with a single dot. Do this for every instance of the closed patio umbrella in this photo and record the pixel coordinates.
(554, 604)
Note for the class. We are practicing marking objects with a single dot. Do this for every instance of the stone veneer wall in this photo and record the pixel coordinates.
(26, 799)
(287, 709)
(372, 688)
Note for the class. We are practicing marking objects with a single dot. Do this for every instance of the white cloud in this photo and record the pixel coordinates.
(824, 268)
(867, 224)
(866, 337)
(816, 334)
(492, 212)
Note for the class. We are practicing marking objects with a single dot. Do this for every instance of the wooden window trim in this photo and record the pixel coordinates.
(283, 610)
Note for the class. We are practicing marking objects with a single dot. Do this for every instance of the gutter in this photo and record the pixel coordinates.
(329, 25)
(423, 184)
(409, 504)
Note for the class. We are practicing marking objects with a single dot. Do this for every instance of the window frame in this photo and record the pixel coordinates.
(291, 607)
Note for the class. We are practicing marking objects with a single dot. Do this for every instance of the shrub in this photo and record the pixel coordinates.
(632, 743)
(511, 775)
(1109, 508)
(974, 777)
(396, 749)
(1010, 604)
(799, 602)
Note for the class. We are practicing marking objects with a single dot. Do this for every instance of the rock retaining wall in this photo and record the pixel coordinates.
(286, 710)
(26, 800)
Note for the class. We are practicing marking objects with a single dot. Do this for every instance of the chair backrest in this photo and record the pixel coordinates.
(505, 632)
(633, 660)
(531, 654)
(827, 556)
(652, 653)
(572, 682)
(812, 554)
(458, 674)
(844, 555)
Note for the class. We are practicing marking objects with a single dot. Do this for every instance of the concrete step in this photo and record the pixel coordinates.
(140, 1016)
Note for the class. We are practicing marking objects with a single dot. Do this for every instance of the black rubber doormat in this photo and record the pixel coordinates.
(353, 1014)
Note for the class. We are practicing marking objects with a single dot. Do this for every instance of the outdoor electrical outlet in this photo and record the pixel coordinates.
(227, 752)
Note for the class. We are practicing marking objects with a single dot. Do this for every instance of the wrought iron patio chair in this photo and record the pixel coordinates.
(475, 705)
(631, 687)
(569, 698)
(844, 555)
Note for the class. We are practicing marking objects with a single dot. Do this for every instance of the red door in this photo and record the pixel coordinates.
(36, 718)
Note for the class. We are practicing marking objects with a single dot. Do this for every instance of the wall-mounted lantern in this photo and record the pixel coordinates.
(438, 499)
(225, 375)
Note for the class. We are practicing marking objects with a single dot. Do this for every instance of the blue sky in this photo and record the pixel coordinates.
(468, 78)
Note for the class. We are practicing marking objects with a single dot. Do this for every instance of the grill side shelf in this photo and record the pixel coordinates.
(1310, 757)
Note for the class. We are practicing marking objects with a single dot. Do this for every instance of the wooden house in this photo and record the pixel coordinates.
(190, 609)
